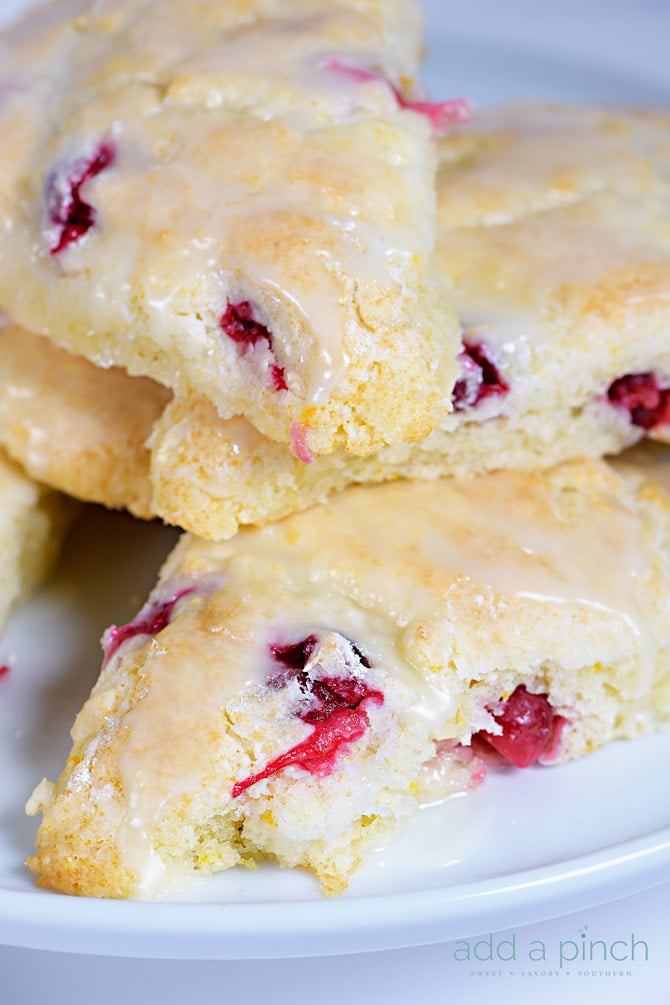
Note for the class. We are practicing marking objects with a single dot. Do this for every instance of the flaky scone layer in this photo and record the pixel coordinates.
(296, 691)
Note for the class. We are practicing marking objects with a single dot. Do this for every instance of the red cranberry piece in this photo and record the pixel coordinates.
(278, 377)
(293, 658)
(480, 378)
(152, 622)
(299, 445)
(529, 728)
(335, 708)
(333, 693)
(440, 114)
(5, 670)
(643, 397)
(296, 655)
(239, 324)
(364, 661)
(316, 754)
(67, 210)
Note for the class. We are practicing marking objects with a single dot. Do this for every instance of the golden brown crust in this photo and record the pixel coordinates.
(566, 288)
(75, 427)
(242, 165)
(455, 593)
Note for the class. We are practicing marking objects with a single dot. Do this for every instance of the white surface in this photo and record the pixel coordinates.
(426, 975)
(579, 51)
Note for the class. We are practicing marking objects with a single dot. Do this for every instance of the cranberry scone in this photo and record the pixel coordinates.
(33, 520)
(553, 229)
(236, 199)
(75, 426)
(295, 692)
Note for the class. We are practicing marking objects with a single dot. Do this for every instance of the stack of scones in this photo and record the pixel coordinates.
(398, 369)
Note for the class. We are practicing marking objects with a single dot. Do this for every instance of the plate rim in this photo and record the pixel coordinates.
(333, 926)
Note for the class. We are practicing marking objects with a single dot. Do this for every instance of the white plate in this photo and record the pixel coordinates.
(527, 846)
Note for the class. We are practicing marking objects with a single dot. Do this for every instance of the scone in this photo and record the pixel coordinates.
(74, 426)
(554, 232)
(33, 520)
(553, 229)
(236, 199)
(295, 692)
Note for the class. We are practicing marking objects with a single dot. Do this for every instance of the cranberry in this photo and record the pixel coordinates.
(293, 658)
(278, 377)
(643, 397)
(530, 728)
(152, 622)
(317, 753)
(296, 655)
(361, 657)
(239, 324)
(335, 707)
(440, 114)
(66, 208)
(5, 669)
(299, 445)
(480, 378)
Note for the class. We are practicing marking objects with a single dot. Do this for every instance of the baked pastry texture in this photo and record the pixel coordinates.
(554, 237)
(33, 520)
(74, 426)
(553, 230)
(237, 200)
(296, 691)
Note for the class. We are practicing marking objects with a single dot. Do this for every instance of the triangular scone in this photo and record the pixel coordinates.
(74, 426)
(553, 227)
(552, 224)
(33, 520)
(296, 691)
(238, 200)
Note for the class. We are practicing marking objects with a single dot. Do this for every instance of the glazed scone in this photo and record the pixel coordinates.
(295, 692)
(552, 225)
(553, 228)
(74, 426)
(554, 231)
(237, 200)
(33, 520)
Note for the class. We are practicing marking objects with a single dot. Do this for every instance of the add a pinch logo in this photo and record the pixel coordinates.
(570, 955)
